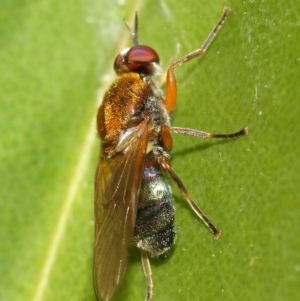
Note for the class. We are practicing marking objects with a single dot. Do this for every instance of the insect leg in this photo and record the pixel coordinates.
(205, 135)
(171, 83)
(148, 275)
(164, 162)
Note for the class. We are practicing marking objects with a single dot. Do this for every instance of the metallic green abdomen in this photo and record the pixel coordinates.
(154, 229)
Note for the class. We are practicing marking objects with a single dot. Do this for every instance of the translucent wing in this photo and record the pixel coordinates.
(117, 185)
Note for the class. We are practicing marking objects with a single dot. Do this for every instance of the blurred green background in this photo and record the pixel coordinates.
(54, 58)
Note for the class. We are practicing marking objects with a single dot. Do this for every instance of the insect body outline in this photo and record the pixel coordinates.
(133, 199)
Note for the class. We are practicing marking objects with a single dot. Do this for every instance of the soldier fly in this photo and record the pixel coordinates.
(133, 200)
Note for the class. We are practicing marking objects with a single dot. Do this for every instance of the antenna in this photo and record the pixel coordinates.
(134, 34)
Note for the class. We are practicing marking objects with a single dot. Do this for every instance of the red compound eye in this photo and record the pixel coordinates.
(142, 54)
(139, 58)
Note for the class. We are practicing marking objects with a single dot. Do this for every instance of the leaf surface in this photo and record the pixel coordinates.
(56, 56)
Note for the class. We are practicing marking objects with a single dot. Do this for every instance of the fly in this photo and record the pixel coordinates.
(133, 199)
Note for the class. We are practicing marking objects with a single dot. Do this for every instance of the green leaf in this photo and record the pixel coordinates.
(57, 55)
